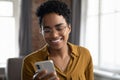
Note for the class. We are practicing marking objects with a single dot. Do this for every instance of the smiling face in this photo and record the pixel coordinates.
(56, 30)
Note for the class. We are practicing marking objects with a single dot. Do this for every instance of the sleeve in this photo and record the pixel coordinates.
(27, 70)
(89, 70)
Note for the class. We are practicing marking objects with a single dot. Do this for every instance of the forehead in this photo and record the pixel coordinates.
(53, 19)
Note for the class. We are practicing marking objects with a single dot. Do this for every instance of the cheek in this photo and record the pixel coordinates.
(66, 36)
(46, 38)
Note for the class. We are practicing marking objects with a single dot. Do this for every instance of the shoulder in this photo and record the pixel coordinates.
(82, 54)
(79, 50)
(38, 55)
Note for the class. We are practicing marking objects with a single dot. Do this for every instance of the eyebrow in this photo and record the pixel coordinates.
(57, 25)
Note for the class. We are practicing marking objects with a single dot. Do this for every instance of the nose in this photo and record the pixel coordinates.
(54, 33)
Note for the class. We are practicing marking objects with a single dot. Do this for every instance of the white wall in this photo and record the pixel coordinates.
(104, 77)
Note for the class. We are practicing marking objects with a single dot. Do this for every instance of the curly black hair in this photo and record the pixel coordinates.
(54, 6)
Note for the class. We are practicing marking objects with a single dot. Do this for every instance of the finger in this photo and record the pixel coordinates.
(40, 75)
(50, 76)
(54, 77)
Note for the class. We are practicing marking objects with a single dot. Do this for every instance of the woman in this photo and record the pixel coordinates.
(71, 62)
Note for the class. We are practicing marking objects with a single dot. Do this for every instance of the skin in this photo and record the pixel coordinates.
(57, 42)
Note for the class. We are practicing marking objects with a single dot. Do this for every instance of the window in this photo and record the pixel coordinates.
(8, 30)
(101, 29)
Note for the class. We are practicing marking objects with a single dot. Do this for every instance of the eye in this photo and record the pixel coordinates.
(47, 30)
(60, 28)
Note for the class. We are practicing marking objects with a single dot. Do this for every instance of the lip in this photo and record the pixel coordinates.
(56, 40)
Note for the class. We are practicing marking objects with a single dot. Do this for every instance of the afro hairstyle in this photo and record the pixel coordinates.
(54, 6)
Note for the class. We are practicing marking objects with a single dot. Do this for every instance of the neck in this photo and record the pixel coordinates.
(63, 52)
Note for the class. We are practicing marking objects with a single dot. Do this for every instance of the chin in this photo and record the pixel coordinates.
(56, 47)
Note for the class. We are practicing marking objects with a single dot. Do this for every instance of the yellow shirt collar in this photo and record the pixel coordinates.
(74, 49)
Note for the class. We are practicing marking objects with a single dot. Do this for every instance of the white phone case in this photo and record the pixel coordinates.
(45, 65)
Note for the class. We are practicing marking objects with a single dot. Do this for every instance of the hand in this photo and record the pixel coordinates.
(43, 75)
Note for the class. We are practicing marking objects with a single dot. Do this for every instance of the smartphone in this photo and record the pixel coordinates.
(45, 65)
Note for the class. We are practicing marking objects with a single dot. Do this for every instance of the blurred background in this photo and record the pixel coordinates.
(95, 25)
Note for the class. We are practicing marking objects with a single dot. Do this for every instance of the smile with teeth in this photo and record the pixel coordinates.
(57, 40)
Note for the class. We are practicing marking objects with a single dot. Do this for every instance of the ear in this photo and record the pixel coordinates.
(69, 27)
(42, 31)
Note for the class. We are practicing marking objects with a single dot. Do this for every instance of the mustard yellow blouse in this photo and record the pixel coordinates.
(80, 66)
